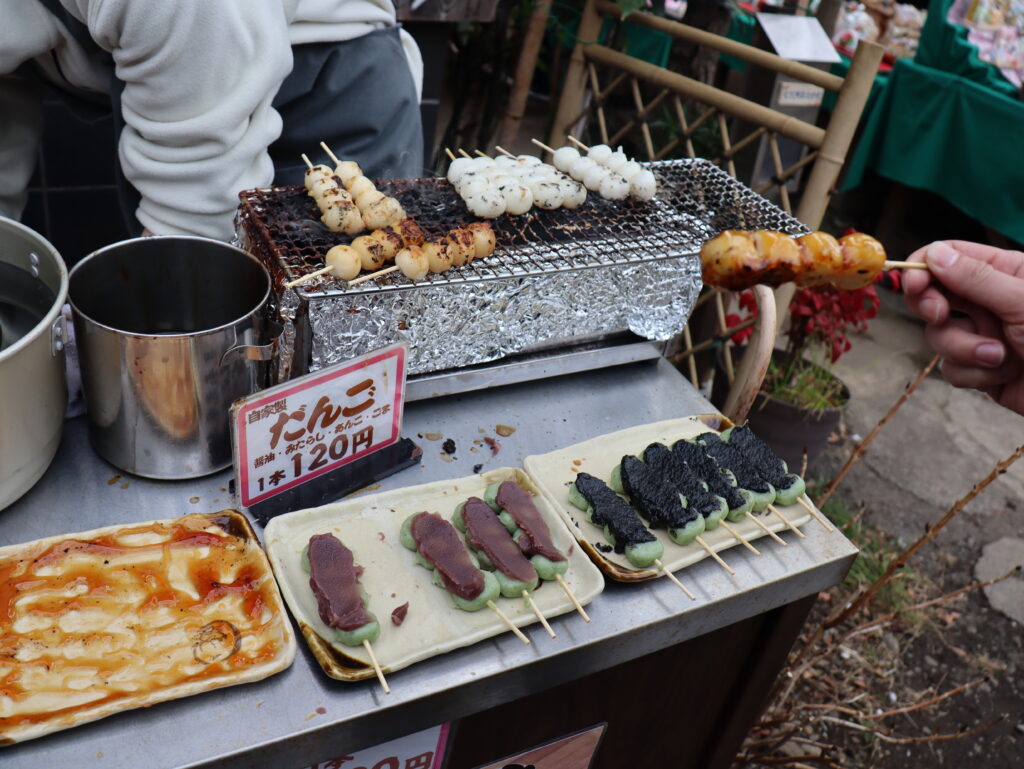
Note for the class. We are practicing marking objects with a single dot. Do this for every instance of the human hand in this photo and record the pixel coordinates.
(972, 299)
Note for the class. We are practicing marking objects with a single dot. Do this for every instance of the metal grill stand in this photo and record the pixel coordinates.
(564, 290)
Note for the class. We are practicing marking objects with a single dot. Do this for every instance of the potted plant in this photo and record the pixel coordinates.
(801, 399)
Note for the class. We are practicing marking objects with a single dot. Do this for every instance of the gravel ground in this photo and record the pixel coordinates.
(939, 444)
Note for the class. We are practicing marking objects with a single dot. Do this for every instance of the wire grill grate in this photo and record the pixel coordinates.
(695, 200)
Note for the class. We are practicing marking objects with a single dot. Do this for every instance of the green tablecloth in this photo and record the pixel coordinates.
(937, 131)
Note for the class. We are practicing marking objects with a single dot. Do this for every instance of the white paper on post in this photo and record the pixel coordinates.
(294, 432)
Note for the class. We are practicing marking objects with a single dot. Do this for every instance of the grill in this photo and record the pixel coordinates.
(559, 280)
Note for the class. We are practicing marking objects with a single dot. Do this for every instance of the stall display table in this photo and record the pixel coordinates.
(728, 644)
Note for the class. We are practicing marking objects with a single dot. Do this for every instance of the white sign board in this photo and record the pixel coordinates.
(798, 38)
(422, 750)
(296, 431)
(799, 94)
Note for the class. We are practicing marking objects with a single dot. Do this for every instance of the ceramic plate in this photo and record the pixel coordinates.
(369, 526)
(553, 472)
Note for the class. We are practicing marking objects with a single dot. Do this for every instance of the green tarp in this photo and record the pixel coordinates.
(937, 131)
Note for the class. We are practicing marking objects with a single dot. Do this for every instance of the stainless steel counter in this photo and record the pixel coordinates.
(277, 722)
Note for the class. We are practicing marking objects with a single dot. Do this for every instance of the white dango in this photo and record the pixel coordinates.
(344, 261)
(487, 204)
(614, 187)
(413, 262)
(458, 167)
(594, 177)
(600, 153)
(580, 168)
(574, 194)
(547, 194)
(564, 157)
(644, 186)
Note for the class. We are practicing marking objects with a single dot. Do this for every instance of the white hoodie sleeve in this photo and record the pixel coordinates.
(199, 77)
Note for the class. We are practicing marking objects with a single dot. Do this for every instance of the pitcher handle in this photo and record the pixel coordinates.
(267, 351)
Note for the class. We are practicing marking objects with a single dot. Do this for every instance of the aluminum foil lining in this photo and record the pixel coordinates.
(459, 325)
(556, 275)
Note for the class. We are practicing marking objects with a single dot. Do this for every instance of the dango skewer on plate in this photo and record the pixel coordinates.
(438, 547)
(341, 602)
(492, 544)
(737, 259)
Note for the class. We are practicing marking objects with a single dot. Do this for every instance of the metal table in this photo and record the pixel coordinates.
(277, 722)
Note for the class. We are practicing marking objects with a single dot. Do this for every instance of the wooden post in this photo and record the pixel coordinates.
(832, 155)
(576, 78)
(839, 135)
(524, 73)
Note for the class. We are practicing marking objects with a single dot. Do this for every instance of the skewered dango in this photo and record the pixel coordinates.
(736, 259)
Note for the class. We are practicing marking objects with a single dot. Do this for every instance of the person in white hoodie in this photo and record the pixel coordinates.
(210, 95)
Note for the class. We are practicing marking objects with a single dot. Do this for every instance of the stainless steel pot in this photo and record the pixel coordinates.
(170, 331)
(33, 392)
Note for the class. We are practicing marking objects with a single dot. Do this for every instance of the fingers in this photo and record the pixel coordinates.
(977, 377)
(916, 281)
(978, 281)
(929, 304)
(959, 343)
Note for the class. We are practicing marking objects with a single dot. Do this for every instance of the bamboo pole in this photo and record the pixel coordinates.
(576, 76)
(737, 106)
(841, 127)
(722, 44)
(524, 73)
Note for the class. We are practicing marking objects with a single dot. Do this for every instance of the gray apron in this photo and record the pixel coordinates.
(358, 97)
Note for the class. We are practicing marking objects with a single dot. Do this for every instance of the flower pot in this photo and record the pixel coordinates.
(788, 429)
(791, 430)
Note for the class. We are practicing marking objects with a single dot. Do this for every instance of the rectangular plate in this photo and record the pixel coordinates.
(369, 526)
(128, 616)
(554, 471)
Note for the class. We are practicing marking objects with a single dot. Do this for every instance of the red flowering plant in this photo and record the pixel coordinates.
(821, 320)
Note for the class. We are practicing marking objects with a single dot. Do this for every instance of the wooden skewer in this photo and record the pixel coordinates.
(503, 151)
(766, 530)
(905, 265)
(536, 610)
(707, 548)
(330, 154)
(817, 516)
(743, 540)
(575, 602)
(465, 154)
(309, 163)
(788, 522)
(543, 146)
(578, 143)
(672, 578)
(481, 154)
(372, 275)
(310, 276)
(507, 621)
(449, 153)
(376, 667)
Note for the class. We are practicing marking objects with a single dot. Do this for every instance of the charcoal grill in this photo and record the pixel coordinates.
(605, 284)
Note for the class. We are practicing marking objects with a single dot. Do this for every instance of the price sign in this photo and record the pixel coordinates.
(296, 431)
(422, 750)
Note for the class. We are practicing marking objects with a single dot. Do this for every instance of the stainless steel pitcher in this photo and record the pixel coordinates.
(170, 331)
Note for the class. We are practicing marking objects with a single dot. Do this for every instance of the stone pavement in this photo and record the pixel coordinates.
(939, 444)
